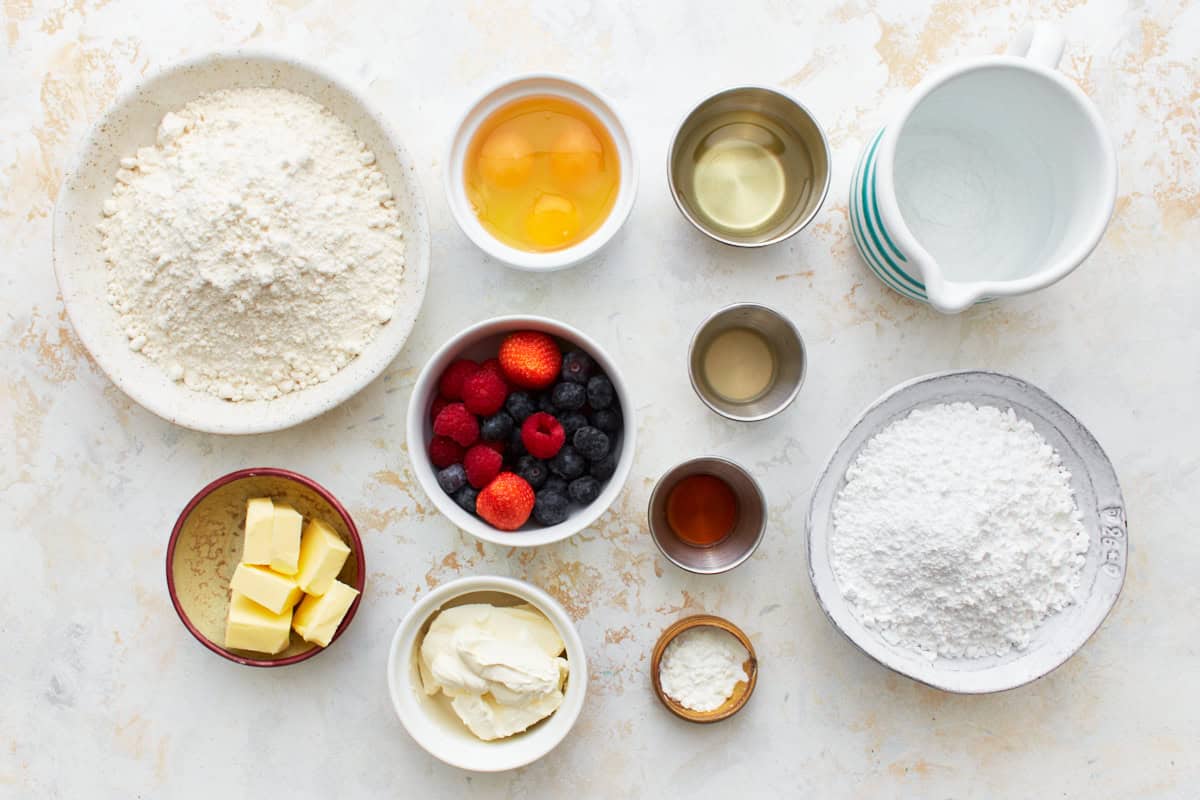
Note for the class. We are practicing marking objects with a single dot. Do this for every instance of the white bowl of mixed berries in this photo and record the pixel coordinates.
(521, 430)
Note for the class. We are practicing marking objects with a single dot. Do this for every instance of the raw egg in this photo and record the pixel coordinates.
(542, 173)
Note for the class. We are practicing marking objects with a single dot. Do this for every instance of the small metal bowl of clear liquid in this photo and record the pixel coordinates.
(749, 166)
(747, 362)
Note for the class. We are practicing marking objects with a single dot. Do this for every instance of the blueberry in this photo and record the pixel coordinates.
(605, 467)
(607, 420)
(516, 445)
(533, 471)
(568, 396)
(465, 497)
(576, 366)
(452, 478)
(572, 422)
(592, 443)
(599, 392)
(520, 405)
(546, 403)
(550, 508)
(584, 490)
(567, 463)
(555, 484)
(497, 428)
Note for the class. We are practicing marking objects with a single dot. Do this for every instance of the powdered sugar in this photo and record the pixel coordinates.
(256, 249)
(957, 533)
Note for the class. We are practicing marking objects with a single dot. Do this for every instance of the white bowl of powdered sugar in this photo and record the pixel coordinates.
(241, 243)
(968, 532)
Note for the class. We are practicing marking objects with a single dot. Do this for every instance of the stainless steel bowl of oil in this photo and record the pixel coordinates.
(749, 166)
(747, 362)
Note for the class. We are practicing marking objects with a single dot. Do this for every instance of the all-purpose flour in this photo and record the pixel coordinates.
(255, 249)
(956, 533)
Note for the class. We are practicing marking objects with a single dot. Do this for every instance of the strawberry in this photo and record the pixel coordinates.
(506, 502)
(530, 359)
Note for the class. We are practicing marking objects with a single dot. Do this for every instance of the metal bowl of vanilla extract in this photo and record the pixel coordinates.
(747, 362)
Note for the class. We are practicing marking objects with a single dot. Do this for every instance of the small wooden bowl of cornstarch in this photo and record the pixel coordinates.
(741, 690)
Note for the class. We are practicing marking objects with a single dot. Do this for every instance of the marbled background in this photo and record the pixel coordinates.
(104, 694)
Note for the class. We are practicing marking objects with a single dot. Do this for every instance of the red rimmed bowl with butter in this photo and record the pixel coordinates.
(318, 547)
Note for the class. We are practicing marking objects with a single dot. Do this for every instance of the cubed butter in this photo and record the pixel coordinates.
(260, 519)
(285, 539)
(318, 616)
(322, 554)
(274, 592)
(252, 627)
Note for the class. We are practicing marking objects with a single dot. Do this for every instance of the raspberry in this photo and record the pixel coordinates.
(482, 463)
(506, 502)
(444, 451)
(484, 393)
(436, 407)
(450, 384)
(530, 359)
(493, 365)
(457, 423)
(542, 435)
(494, 444)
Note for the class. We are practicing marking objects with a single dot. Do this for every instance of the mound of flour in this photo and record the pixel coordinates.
(956, 533)
(255, 249)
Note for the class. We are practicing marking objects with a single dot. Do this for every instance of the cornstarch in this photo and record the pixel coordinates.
(701, 666)
(255, 249)
(957, 534)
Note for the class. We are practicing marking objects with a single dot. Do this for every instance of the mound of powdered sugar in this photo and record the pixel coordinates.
(956, 533)
(255, 249)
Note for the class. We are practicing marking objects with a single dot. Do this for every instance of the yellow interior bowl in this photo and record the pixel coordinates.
(206, 545)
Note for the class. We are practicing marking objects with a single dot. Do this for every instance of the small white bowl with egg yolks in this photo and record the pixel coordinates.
(431, 721)
(480, 112)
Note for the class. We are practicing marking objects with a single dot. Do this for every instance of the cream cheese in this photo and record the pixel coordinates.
(501, 667)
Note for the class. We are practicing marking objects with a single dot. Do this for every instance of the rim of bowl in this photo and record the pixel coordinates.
(791, 395)
(762, 529)
(418, 414)
(356, 547)
(787, 233)
(328, 400)
(594, 101)
(412, 622)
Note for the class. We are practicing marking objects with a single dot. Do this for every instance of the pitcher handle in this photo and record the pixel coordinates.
(1041, 43)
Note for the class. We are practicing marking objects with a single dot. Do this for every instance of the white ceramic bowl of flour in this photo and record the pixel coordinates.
(132, 122)
(1097, 495)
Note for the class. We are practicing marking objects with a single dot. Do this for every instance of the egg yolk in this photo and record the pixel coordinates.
(506, 158)
(542, 173)
(577, 154)
(553, 220)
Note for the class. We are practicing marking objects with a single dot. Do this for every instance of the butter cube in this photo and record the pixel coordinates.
(322, 554)
(285, 539)
(252, 627)
(260, 518)
(319, 615)
(274, 592)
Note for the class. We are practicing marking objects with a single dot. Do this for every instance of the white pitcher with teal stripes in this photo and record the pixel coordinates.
(996, 178)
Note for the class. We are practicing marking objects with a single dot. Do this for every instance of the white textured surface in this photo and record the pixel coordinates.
(103, 694)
